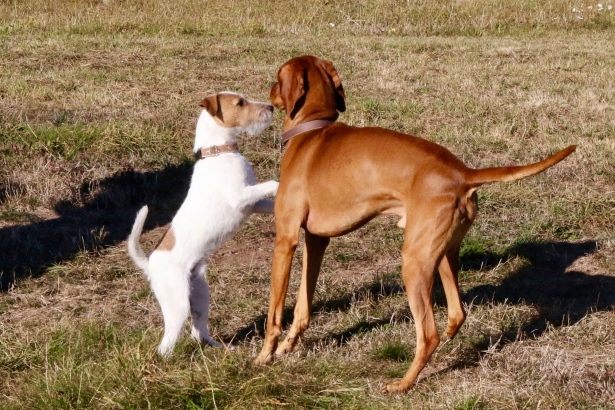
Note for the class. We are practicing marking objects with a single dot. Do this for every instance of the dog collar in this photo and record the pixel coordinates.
(215, 150)
(305, 127)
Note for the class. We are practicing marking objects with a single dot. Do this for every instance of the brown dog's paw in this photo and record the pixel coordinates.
(395, 388)
(451, 331)
(286, 347)
(263, 358)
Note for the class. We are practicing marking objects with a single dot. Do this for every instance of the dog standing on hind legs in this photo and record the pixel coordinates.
(222, 195)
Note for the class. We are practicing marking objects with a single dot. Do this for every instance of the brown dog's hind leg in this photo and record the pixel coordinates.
(418, 275)
(313, 253)
(449, 266)
(449, 269)
(425, 244)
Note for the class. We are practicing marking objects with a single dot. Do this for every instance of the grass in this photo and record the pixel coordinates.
(98, 103)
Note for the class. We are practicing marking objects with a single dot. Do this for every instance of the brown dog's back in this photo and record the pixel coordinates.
(354, 157)
(411, 157)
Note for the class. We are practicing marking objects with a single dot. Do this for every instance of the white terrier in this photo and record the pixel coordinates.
(221, 197)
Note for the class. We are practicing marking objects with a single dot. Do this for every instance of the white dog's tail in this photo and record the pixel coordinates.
(134, 248)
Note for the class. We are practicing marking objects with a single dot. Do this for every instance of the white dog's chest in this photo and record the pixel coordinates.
(224, 172)
(206, 218)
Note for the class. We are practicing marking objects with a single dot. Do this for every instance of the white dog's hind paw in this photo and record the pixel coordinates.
(214, 343)
(165, 351)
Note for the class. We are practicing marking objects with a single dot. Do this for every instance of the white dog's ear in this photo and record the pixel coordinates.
(211, 104)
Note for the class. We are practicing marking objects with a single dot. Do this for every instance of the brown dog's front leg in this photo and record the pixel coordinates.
(313, 253)
(280, 272)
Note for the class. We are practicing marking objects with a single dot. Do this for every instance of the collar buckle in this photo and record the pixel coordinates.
(215, 150)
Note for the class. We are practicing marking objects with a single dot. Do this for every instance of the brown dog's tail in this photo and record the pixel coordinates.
(478, 177)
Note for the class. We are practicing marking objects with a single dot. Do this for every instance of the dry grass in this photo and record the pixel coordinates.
(98, 104)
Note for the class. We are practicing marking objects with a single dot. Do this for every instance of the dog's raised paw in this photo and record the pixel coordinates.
(272, 187)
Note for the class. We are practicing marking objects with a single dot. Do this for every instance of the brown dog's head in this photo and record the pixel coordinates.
(308, 88)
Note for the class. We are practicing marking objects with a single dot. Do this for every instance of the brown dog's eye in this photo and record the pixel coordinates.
(240, 103)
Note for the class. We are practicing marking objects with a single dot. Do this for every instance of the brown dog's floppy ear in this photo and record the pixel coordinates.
(340, 95)
(275, 97)
(292, 88)
(211, 104)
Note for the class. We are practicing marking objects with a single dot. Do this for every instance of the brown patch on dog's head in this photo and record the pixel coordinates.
(311, 83)
(233, 110)
(211, 104)
(167, 242)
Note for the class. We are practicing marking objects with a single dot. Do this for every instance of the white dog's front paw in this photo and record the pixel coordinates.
(271, 187)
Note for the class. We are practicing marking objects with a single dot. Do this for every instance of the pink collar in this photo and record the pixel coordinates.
(304, 127)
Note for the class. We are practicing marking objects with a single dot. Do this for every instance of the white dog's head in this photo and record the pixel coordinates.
(234, 111)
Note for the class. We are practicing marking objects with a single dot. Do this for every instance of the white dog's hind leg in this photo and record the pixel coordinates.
(172, 291)
(199, 305)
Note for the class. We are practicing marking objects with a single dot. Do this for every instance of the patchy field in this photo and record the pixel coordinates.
(98, 103)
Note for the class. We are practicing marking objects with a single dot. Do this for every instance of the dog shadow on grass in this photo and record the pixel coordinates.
(551, 282)
(380, 288)
(105, 219)
(562, 295)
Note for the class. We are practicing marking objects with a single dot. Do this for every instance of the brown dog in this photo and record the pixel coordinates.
(335, 178)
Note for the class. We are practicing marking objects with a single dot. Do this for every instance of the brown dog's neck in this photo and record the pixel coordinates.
(304, 127)
(302, 117)
(305, 123)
